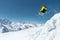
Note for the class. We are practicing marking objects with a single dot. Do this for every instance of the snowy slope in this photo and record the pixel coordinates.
(49, 31)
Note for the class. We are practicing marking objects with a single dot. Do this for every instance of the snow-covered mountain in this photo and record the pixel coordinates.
(9, 26)
(4, 22)
(49, 31)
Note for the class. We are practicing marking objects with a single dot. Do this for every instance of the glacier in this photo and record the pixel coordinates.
(22, 31)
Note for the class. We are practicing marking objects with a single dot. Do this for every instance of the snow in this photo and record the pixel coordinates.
(49, 31)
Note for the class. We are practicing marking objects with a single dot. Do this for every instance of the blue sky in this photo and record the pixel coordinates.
(27, 10)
